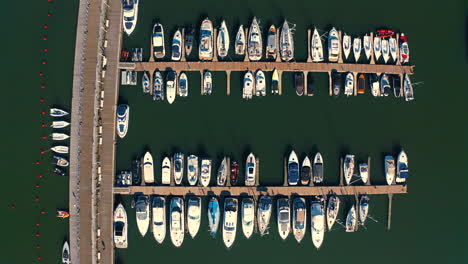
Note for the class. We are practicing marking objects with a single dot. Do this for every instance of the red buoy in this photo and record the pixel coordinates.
(43, 125)
(46, 26)
(38, 162)
(42, 212)
(46, 49)
(41, 74)
(42, 86)
(38, 235)
(44, 63)
(44, 38)
(38, 246)
(37, 199)
(49, 14)
(39, 258)
(44, 137)
(39, 176)
(38, 186)
(12, 207)
(38, 224)
(41, 100)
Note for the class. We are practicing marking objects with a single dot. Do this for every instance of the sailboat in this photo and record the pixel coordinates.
(193, 215)
(351, 220)
(357, 48)
(222, 173)
(260, 84)
(59, 136)
(402, 171)
(248, 216)
(299, 222)
(367, 46)
(171, 83)
(166, 171)
(392, 42)
(145, 83)
(192, 169)
(158, 207)
(223, 41)
(333, 207)
(286, 43)
(130, 15)
(272, 44)
(264, 214)
(389, 169)
(363, 209)
(177, 221)
(248, 85)
(408, 89)
(183, 85)
(59, 124)
(254, 41)
(284, 217)
(293, 169)
(158, 86)
(205, 172)
(348, 168)
(66, 253)
(364, 172)
(148, 171)
(317, 215)
(316, 47)
(177, 46)
(120, 227)
(159, 50)
(188, 42)
(239, 43)
(178, 168)
(213, 215)
(205, 49)
(56, 112)
(142, 214)
(230, 221)
(346, 45)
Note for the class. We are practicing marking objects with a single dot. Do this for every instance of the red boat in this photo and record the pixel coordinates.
(384, 33)
(62, 214)
(124, 55)
(234, 172)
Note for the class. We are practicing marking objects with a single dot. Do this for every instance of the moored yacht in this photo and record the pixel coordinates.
(264, 214)
(351, 220)
(148, 171)
(66, 253)
(254, 42)
(230, 221)
(346, 45)
(299, 221)
(158, 207)
(59, 161)
(177, 222)
(239, 43)
(205, 175)
(404, 49)
(192, 169)
(337, 82)
(142, 214)
(348, 168)
(363, 209)
(159, 50)
(221, 179)
(377, 48)
(367, 46)
(274, 82)
(389, 169)
(130, 15)
(178, 168)
(317, 215)
(193, 215)
(171, 83)
(60, 149)
(316, 47)
(250, 170)
(120, 227)
(408, 89)
(260, 84)
(306, 171)
(318, 168)
(374, 84)
(188, 42)
(248, 216)
(166, 171)
(396, 81)
(357, 48)
(59, 124)
(286, 43)
(385, 50)
(223, 41)
(205, 49)
(284, 218)
(333, 45)
(361, 84)
(207, 83)
(248, 85)
(123, 114)
(56, 112)
(333, 207)
(299, 83)
(158, 86)
(272, 43)
(213, 215)
(392, 42)
(183, 85)
(385, 88)
(293, 169)
(402, 171)
(349, 84)
(177, 46)
(364, 172)
(145, 83)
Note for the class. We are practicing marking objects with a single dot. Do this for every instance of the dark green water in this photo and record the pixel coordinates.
(428, 222)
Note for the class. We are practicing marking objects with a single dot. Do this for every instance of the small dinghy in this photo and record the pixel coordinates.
(264, 214)
(145, 83)
(123, 117)
(178, 168)
(385, 50)
(158, 207)
(207, 83)
(286, 43)
(404, 49)
(205, 174)
(364, 172)
(60, 149)
(250, 170)
(363, 209)
(333, 207)
(384, 33)
(377, 48)
(59, 124)
(357, 48)
(293, 169)
(177, 221)
(205, 49)
(349, 84)
(333, 45)
(59, 161)
(142, 213)
(316, 47)
(348, 168)
(159, 50)
(361, 84)
(193, 215)
(248, 85)
(177, 46)
(59, 136)
(59, 172)
(188, 42)
(272, 44)
(120, 227)
(374, 84)
(351, 220)
(213, 216)
(171, 83)
(66, 253)
(260, 83)
(56, 112)
(274, 82)
(305, 171)
(346, 45)
(402, 171)
(408, 89)
(183, 85)
(318, 168)
(384, 85)
(230, 221)
(299, 222)
(396, 81)
(389, 164)
(158, 86)
(221, 179)
(192, 169)
(255, 44)
(283, 217)
(317, 215)
(166, 171)
(248, 217)
(239, 43)
(222, 42)
(367, 46)
(392, 42)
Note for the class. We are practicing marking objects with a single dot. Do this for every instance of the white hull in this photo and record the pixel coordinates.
(299, 222)
(171, 88)
(142, 214)
(166, 171)
(178, 168)
(408, 89)
(177, 46)
(250, 169)
(59, 124)
(402, 167)
(66, 253)
(213, 216)
(349, 84)
(346, 45)
(264, 214)
(392, 42)
(248, 85)
(317, 229)
(123, 115)
(60, 149)
(159, 50)
(333, 45)
(364, 172)
(223, 41)
(351, 220)
(367, 43)
(389, 164)
(254, 44)
(240, 41)
(205, 175)
(148, 171)
(317, 170)
(248, 217)
(120, 227)
(293, 179)
(130, 18)
(316, 47)
(59, 136)
(377, 48)
(283, 217)
(159, 218)
(333, 207)
(56, 112)
(363, 209)
(230, 221)
(404, 50)
(306, 164)
(207, 83)
(385, 50)
(145, 83)
(271, 49)
(205, 49)
(177, 221)
(192, 170)
(222, 173)
(183, 85)
(193, 215)
(260, 83)
(348, 168)
(357, 47)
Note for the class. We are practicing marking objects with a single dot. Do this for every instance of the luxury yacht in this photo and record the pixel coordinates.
(348, 168)
(260, 84)
(250, 169)
(177, 221)
(193, 215)
(148, 171)
(142, 214)
(306, 171)
(316, 47)
(402, 171)
(123, 115)
(318, 168)
(239, 43)
(254, 42)
(177, 46)
(120, 227)
(223, 41)
(264, 214)
(213, 216)
(166, 171)
(230, 221)
(284, 218)
(333, 207)
(159, 218)
(333, 45)
(159, 50)
(222, 173)
(205, 49)
(248, 217)
(272, 43)
(286, 43)
(317, 216)
(205, 172)
(192, 169)
(130, 15)
(293, 169)
(178, 168)
(299, 221)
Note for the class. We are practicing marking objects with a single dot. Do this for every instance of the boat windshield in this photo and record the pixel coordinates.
(119, 226)
(284, 216)
(127, 5)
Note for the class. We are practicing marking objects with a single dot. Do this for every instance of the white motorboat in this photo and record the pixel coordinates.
(60, 149)
(123, 116)
(385, 88)
(248, 85)
(250, 170)
(59, 124)
(348, 168)
(367, 46)
(230, 221)
(207, 83)
(171, 83)
(357, 47)
(158, 86)
(166, 171)
(130, 15)
(364, 172)
(239, 43)
(385, 50)
(284, 218)
(159, 49)
(333, 207)
(293, 169)
(177, 221)
(377, 48)
(408, 89)
(178, 168)
(223, 41)
(272, 43)
(317, 170)
(402, 171)
(59, 161)
(317, 219)
(346, 45)
(56, 112)
(333, 45)
(120, 227)
(260, 83)
(306, 171)
(389, 169)
(254, 42)
(404, 49)
(274, 82)
(158, 207)
(213, 216)
(221, 178)
(145, 82)
(59, 136)
(349, 84)
(299, 221)
(363, 209)
(351, 220)
(183, 85)
(193, 215)
(192, 169)
(392, 42)
(374, 84)
(205, 172)
(66, 253)
(142, 214)
(205, 49)
(248, 217)
(316, 47)
(148, 171)
(177, 46)
(286, 43)
(264, 214)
